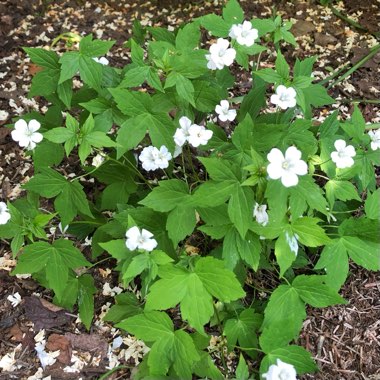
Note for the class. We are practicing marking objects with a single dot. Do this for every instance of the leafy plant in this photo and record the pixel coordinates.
(269, 191)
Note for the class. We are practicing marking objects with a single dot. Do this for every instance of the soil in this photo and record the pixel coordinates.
(344, 340)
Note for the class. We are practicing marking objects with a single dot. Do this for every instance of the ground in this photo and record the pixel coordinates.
(344, 340)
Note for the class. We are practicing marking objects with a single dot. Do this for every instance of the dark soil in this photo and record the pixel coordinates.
(344, 340)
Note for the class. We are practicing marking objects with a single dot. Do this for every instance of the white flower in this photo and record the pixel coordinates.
(220, 55)
(375, 139)
(26, 133)
(244, 34)
(101, 60)
(163, 157)
(152, 158)
(281, 371)
(285, 97)
(177, 151)
(140, 240)
(343, 155)
(287, 168)
(14, 299)
(4, 213)
(199, 135)
(261, 215)
(182, 134)
(97, 160)
(292, 241)
(224, 112)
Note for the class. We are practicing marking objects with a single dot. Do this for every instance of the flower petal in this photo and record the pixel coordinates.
(275, 155)
(292, 154)
(340, 144)
(37, 137)
(289, 179)
(34, 125)
(300, 167)
(275, 170)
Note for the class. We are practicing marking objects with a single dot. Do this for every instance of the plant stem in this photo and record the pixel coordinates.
(348, 20)
(321, 176)
(334, 74)
(368, 101)
(371, 54)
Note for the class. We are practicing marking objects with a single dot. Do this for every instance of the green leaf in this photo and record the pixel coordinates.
(127, 305)
(181, 223)
(65, 92)
(242, 330)
(220, 282)
(169, 348)
(193, 290)
(207, 95)
(116, 248)
(233, 13)
(220, 170)
(188, 37)
(242, 372)
(47, 154)
(94, 48)
(240, 207)
(131, 103)
(342, 190)
(249, 249)
(294, 355)
(179, 286)
(59, 135)
(55, 259)
(44, 83)
(334, 261)
(167, 196)
(285, 254)
(150, 326)
(309, 233)
(183, 85)
(71, 198)
(161, 131)
(282, 68)
(363, 252)
(43, 58)
(90, 72)
(135, 76)
(69, 65)
(314, 291)
(215, 25)
(372, 205)
(268, 75)
(212, 194)
(254, 100)
(285, 306)
(86, 291)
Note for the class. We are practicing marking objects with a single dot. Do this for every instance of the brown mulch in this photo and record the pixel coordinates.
(345, 340)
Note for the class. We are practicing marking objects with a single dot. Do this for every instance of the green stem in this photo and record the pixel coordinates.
(249, 349)
(98, 262)
(84, 175)
(86, 222)
(359, 64)
(348, 20)
(368, 101)
(134, 168)
(334, 74)
(321, 176)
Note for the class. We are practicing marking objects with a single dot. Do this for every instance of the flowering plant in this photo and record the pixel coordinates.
(176, 163)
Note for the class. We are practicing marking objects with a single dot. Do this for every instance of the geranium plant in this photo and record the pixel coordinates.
(179, 162)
